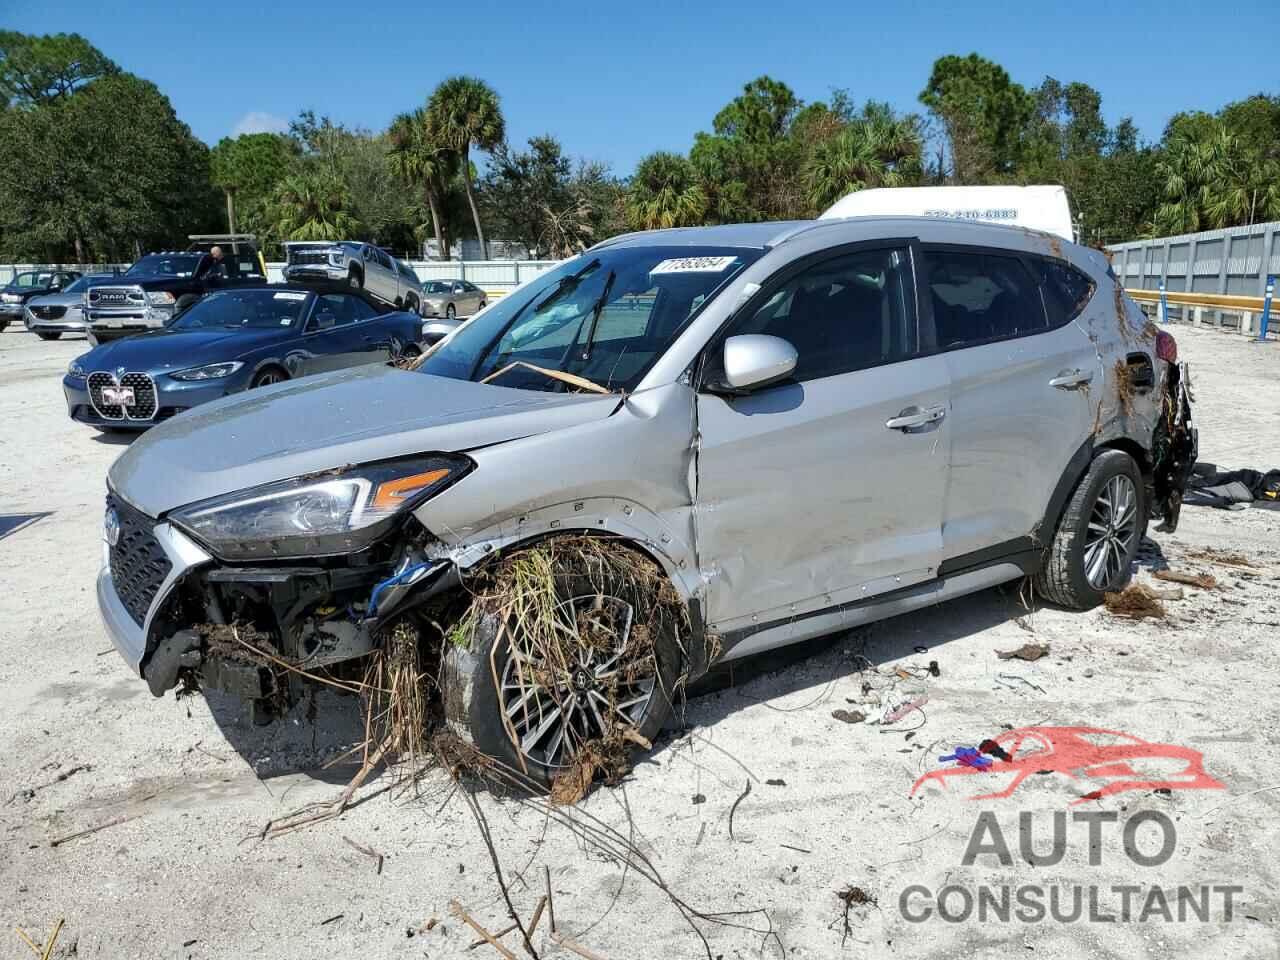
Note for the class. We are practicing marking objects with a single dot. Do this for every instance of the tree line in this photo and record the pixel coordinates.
(97, 166)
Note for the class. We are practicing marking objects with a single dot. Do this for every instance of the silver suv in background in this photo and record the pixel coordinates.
(362, 266)
(700, 443)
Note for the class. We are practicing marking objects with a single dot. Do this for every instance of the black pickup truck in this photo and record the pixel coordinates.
(160, 285)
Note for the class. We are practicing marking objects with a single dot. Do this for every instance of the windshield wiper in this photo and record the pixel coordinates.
(595, 315)
(569, 378)
(562, 284)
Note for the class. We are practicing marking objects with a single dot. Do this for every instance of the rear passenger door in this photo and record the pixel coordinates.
(1020, 371)
(813, 492)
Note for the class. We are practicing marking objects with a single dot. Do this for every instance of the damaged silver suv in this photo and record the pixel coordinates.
(679, 448)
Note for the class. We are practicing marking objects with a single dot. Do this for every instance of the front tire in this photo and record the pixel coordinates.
(48, 336)
(559, 708)
(450, 312)
(355, 281)
(1097, 539)
(411, 306)
(267, 376)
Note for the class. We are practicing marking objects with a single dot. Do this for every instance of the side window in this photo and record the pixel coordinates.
(843, 314)
(361, 309)
(981, 297)
(1067, 291)
(338, 305)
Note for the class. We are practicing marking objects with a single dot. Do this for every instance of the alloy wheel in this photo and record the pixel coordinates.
(267, 377)
(552, 705)
(1109, 536)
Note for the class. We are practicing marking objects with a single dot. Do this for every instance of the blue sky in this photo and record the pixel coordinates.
(616, 80)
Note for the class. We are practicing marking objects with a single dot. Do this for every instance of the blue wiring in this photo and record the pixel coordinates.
(405, 576)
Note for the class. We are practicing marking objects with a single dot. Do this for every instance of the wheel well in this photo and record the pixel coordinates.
(272, 365)
(700, 652)
(1074, 473)
(356, 268)
(1133, 449)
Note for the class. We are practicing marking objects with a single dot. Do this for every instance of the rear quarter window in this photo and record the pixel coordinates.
(1067, 291)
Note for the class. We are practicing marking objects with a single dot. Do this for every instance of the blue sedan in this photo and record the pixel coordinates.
(235, 340)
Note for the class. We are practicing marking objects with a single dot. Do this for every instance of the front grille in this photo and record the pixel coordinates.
(139, 564)
(144, 396)
(48, 312)
(116, 296)
(302, 257)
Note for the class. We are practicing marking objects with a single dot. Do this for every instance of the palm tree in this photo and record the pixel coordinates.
(1189, 169)
(312, 206)
(417, 160)
(665, 193)
(1246, 186)
(462, 113)
(566, 232)
(875, 150)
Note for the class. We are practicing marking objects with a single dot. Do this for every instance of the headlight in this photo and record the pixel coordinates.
(160, 298)
(11, 298)
(337, 258)
(75, 371)
(210, 371)
(319, 516)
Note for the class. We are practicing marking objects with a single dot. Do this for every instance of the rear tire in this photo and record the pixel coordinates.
(1098, 536)
(355, 281)
(411, 306)
(48, 336)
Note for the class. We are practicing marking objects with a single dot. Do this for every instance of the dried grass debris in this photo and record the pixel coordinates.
(1134, 602)
(1205, 581)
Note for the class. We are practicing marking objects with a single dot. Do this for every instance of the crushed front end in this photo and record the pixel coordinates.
(260, 592)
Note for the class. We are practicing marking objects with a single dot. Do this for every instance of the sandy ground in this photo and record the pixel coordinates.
(829, 807)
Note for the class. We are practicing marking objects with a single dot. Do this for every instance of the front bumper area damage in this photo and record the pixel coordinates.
(252, 631)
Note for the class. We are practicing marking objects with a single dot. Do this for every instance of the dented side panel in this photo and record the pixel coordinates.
(628, 475)
(806, 499)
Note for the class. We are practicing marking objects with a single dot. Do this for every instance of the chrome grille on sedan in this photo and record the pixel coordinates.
(50, 312)
(139, 564)
(144, 396)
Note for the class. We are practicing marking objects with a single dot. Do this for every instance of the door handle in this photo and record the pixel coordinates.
(1070, 379)
(915, 417)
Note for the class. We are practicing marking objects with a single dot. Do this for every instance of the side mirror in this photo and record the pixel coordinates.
(755, 360)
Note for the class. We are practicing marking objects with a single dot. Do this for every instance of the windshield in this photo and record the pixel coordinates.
(166, 265)
(244, 310)
(75, 286)
(29, 280)
(603, 317)
(437, 286)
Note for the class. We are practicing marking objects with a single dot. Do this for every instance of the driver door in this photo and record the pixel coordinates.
(334, 339)
(807, 497)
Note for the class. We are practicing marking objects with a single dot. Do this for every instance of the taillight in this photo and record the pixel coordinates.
(1166, 347)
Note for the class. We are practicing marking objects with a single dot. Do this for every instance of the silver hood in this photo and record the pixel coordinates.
(332, 420)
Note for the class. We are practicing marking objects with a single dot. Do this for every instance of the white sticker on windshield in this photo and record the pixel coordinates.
(694, 265)
(288, 295)
(285, 321)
